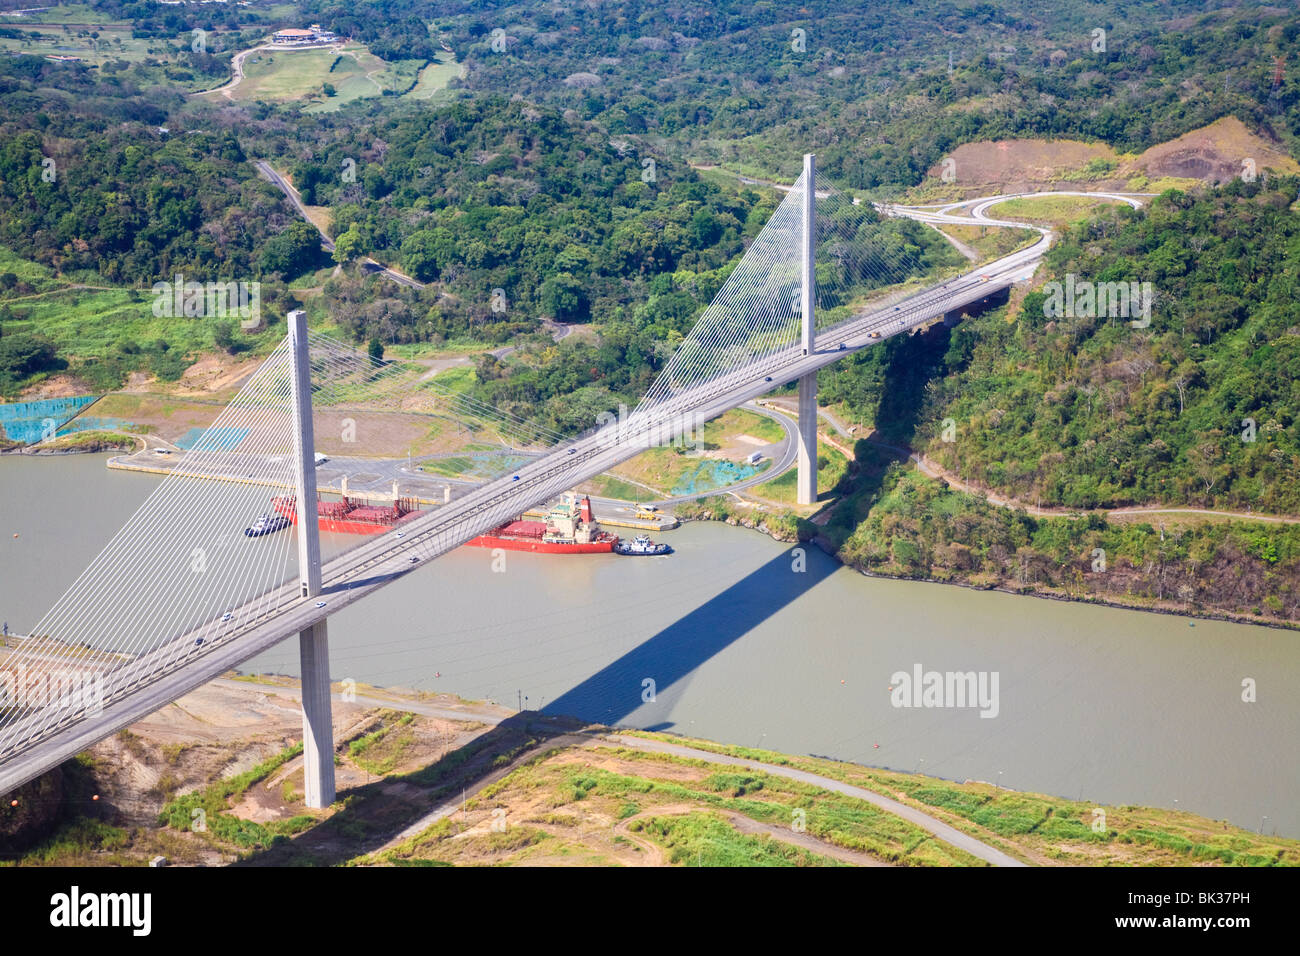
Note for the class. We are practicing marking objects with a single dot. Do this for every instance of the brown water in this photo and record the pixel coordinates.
(1107, 705)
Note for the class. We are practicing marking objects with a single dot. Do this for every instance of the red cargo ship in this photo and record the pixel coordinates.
(569, 528)
(352, 517)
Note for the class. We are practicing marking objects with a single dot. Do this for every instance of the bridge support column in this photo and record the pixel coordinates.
(313, 643)
(806, 483)
(317, 716)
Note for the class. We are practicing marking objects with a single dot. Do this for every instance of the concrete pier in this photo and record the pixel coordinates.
(317, 716)
(806, 484)
(313, 643)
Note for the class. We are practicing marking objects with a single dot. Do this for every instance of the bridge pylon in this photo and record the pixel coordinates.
(806, 482)
(313, 643)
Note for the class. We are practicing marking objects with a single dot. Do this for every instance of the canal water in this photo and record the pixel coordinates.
(740, 639)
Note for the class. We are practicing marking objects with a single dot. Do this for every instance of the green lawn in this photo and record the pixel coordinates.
(831, 467)
(1052, 210)
(434, 77)
(299, 76)
(607, 486)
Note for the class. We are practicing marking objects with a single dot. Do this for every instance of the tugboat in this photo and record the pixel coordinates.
(641, 545)
(267, 524)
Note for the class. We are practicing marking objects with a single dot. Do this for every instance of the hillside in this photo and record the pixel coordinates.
(1213, 154)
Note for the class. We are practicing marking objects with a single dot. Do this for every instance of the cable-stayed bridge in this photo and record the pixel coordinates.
(181, 595)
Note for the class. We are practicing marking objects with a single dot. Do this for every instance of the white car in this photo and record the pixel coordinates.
(320, 603)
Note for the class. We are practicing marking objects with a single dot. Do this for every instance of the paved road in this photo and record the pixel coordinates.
(932, 825)
(368, 264)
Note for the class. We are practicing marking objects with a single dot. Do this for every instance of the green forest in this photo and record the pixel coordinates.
(567, 177)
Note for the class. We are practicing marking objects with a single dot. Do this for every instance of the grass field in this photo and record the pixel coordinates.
(354, 73)
(299, 76)
(831, 467)
(434, 77)
(612, 806)
(607, 486)
(990, 242)
(663, 468)
(113, 43)
(1049, 210)
(104, 332)
(1046, 829)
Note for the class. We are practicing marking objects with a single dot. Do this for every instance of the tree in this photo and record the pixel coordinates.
(223, 336)
(293, 251)
(376, 349)
(421, 252)
(565, 297)
(348, 246)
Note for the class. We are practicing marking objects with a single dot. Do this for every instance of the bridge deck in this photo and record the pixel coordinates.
(171, 670)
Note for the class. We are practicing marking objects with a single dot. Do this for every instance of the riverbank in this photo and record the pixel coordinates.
(427, 778)
(895, 523)
(80, 443)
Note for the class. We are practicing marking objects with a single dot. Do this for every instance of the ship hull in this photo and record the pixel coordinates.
(539, 547)
(345, 526)
(519, 542)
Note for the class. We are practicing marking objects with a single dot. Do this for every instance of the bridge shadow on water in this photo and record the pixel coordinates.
(376, 812)
(614, 692)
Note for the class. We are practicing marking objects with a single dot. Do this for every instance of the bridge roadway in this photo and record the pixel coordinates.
(174, 668)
